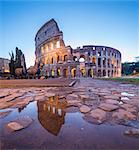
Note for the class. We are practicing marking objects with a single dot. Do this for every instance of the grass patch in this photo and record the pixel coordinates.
(123, 80)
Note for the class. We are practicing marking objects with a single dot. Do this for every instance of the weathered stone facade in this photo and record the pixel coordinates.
(4, 65)
(58, 60)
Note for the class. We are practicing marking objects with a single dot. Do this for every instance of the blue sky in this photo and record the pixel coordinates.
(108, 23)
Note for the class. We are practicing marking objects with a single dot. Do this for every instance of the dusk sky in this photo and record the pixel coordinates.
(108, 23)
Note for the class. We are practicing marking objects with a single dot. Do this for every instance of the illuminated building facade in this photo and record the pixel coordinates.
(4, 65)
(58, 60)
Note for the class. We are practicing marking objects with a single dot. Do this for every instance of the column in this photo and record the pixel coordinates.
(69, 72)
(101, 62)
(55, 70)
(86, 71)
(96, 62)
(106, 63)
(77, 71)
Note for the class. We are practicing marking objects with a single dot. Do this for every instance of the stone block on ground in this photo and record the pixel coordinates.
(84, 109)
(110, 101)
(132, 132)
(83, 97)
(20, 123)
(73, 103)
(123, 115)
(4, 114)
(15, 126)
(108, 107)
(72, 97)
(98, 114)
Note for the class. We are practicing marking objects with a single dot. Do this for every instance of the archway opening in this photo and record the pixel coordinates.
(57, 58)
(99, 73)
(90, 73)
(52, 60)
(104, 73)
(75, 58)
(65, 58)
(73, 72)
(52, 73)
(82, 59)
(58, 72)
(65, 73)
(83, 72)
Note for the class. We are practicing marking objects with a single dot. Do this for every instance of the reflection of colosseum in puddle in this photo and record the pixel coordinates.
(51, 115)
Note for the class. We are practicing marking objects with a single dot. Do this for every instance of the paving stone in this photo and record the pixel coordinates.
(83, 97)
(4, 114)
(98, 114)
(108, 107)
(49, 94)
(72, 97)
(132, 132)
(110, 101)
(20, 123)
(115, 97)
(123, 115)
(14, 126)
(73, 103)
(84, 109)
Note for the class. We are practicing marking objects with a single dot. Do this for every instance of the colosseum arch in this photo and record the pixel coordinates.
(90, 72)
(94, 60)
(82, 58)
(83, 72)
(52, 72)
(99, 73)
(65, 58)
(104, 73)
(73, 72)
(75, 58)
(58, 72)
(52, 60)
(58, 58)
(65, 72)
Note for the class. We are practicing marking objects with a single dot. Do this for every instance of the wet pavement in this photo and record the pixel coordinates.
(68, 118)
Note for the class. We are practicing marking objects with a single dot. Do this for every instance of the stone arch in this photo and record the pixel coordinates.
(82, 58)
(75, 58)
(52, 72)
(99, 73)
(65, 58)
(65, 72)
(58, 72)
(90, 73)
(73, 72)
(109, 62)
(112, 73)
(108, 73)
(104, 73)
(83, 72)
(58, 58)
(94, 60)
(52, 60)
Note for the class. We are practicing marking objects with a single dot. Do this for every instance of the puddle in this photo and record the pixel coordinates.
(55, 127)
(127, 94)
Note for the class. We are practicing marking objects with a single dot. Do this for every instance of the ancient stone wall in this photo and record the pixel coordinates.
(58, 60)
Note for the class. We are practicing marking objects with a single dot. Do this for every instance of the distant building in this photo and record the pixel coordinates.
(4, 65)
(58, 60)
(137, 59)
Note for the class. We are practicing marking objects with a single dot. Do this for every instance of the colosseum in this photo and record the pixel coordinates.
(57, 60)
